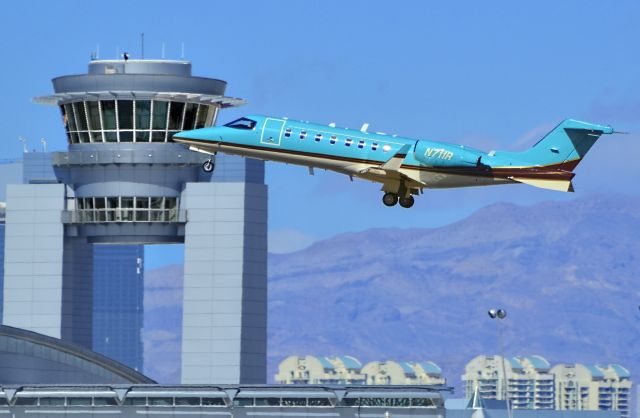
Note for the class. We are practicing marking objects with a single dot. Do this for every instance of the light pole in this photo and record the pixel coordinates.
(500, 314)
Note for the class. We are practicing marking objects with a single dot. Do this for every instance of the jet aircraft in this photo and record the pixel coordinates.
(404, 166)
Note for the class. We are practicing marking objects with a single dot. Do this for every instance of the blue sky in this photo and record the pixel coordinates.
(493, 75)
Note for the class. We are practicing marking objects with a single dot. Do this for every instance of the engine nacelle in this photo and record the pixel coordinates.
(435, 154)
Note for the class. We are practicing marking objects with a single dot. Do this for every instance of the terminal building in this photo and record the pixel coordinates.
(349, 370)
(228, 400)
(123, 181)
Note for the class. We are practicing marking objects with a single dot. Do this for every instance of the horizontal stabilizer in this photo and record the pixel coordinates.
(558, 185)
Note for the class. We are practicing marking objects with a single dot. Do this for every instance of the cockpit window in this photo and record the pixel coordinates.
(242, 123)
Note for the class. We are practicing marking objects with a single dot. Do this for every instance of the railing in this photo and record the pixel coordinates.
(89, 216)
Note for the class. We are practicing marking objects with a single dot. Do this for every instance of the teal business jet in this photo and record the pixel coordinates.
(404, 166)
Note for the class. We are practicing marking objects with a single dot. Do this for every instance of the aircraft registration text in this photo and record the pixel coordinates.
(439, 153)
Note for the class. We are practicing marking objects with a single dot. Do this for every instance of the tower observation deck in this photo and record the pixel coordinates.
(123, 180)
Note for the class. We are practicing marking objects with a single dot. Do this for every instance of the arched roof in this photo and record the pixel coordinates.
(539, 362)
(620, 371)
(351, 362)
(430, 367)
(27, 357)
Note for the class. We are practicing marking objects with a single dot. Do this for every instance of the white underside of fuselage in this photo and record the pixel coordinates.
(422, 178)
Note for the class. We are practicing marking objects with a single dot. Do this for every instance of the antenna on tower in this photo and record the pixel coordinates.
(98, 51)
(44, 144)
(163, 50)
(142, 45)
(182, 51)
(24, 144)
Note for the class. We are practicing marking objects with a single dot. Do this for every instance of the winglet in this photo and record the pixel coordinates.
(396, 160)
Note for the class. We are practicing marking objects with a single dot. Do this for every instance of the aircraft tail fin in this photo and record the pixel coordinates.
(565, 146)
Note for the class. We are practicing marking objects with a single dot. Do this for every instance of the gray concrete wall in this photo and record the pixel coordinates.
(225, 283)
(47, 283)
(33, 258)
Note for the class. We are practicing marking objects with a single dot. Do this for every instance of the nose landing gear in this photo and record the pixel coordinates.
(207, 166)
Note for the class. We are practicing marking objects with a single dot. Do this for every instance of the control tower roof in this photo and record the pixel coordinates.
(161, 67)
(139, 79)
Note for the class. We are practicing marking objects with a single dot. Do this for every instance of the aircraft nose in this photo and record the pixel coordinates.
(212, 134)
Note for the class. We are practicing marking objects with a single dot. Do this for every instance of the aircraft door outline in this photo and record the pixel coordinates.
(272, 131)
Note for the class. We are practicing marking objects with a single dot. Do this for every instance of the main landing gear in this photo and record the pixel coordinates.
(391, 199)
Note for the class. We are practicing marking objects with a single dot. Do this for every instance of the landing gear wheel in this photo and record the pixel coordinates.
(390, 199)
(407, 202)
(207, 166)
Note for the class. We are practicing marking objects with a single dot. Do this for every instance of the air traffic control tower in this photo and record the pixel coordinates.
(123, 180)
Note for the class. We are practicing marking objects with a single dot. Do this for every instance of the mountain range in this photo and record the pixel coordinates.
(567, 273)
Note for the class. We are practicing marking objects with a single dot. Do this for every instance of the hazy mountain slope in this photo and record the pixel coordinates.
(568, 274)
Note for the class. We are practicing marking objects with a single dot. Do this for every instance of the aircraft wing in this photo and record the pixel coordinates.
(389, 170)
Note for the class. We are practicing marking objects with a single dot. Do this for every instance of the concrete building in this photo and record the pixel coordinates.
(349, 370)
(592, 387)
(530, 384)
(118, 273)
(123, 181)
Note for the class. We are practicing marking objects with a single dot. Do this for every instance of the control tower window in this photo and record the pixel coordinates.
(190, 116)
(127, 209)
(143, 120)
(242, 123)
(69, 122)
(81, 121)
(176, 110)
(159, 121)
(203, 116)
(125, 120)
(93, 108)
(108, 110)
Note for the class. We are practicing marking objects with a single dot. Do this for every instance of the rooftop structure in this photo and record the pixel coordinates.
(349, 370)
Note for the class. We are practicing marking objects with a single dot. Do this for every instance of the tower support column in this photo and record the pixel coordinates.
(225, 283)
(47, 276)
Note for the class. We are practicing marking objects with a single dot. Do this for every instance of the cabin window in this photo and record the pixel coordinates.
(386, 148)
(374, 146)
(287, 133)
(318, 137)
(242, 123)
(303, 134)
(333, 139)
(360, 144)
(347, 142)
